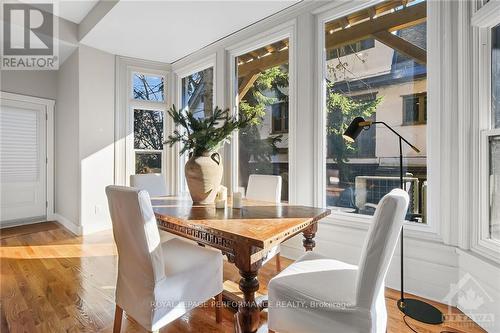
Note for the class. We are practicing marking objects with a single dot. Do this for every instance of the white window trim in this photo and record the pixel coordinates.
(287, 30)
(180, 73)
(430, 230)
(124, 106)
(483, 20)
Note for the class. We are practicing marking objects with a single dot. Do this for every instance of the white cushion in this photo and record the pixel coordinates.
(304, 296)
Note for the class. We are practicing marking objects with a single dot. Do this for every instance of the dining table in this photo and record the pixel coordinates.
(245, 235)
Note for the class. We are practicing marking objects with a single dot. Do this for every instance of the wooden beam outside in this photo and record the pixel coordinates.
(272, 60)
(400, 19)
(247, 83)
(402, 46)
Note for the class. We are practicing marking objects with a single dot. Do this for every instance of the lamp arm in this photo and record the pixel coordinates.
(369, 123)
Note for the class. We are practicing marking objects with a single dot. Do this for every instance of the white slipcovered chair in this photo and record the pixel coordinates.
(157, 282)
(319, 294)
(154, 183)
(266, 188)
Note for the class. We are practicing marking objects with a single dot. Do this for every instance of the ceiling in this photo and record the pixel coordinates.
(169, 30)
(71, 10)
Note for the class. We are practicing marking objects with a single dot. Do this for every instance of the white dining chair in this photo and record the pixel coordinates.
(157, 282)
(154, 183)
(334, 296)
(266, 188)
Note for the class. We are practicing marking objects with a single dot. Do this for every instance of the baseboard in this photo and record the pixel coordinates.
(21, 222)
(68, 224)
(91, 229)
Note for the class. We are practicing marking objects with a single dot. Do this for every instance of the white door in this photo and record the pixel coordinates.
(23, 158)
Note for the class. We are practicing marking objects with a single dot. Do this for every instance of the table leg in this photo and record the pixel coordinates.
(309, 234)
(248, 315)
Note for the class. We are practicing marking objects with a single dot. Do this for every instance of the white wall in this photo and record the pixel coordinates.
(32, 83)
(96, 135)
(67, 171)
(85, 139)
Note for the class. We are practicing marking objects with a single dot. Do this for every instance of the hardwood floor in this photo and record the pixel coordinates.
(53, 281)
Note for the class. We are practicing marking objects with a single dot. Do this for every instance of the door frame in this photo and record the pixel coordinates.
(49, 105)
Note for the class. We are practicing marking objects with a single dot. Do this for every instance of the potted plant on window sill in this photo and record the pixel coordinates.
(201, 138)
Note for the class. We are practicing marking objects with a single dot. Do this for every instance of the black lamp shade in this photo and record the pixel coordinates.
(352, 132)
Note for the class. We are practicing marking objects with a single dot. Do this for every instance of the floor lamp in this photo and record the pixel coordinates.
(413, 308)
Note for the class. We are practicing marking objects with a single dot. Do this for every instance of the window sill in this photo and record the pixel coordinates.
(487, 249)
(362, 222)
(413, 124)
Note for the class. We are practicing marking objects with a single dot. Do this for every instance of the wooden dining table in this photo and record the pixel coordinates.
(245, 236)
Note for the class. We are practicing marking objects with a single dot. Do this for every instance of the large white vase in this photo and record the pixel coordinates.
(204, 176)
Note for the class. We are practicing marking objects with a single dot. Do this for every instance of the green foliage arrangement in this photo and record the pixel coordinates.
(206, 134)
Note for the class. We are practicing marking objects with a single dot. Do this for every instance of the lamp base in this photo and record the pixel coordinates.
(421, 311)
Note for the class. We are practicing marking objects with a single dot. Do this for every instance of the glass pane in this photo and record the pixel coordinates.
(495, 187)
(263, 88)
(149, 88)
(148, 129)
(198, 92)
(147, 162)
(367, 76)
(495, 76)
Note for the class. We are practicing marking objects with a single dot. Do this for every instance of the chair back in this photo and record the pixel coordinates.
(264, 188)
(379, 246)
(154, 183)
(140, 257)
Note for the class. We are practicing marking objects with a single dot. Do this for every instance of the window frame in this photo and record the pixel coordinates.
(282, 119)
(288, 31)
(181, 73)
(483, 20)
(429, 230)
(136, 104)
(422, 119)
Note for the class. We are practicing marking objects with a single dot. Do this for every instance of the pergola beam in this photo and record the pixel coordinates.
(378, 27)
(402, 46)
(247, 83)
(398, 20)
(272, 60)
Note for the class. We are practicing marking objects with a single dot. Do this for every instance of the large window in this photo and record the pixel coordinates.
(494, 137)
(147, 105)
(197, 92)
(148, 141)
(263, 88)
(375, 68)
(495, 76)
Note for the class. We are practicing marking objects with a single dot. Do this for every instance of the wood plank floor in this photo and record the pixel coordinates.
(53, 281)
